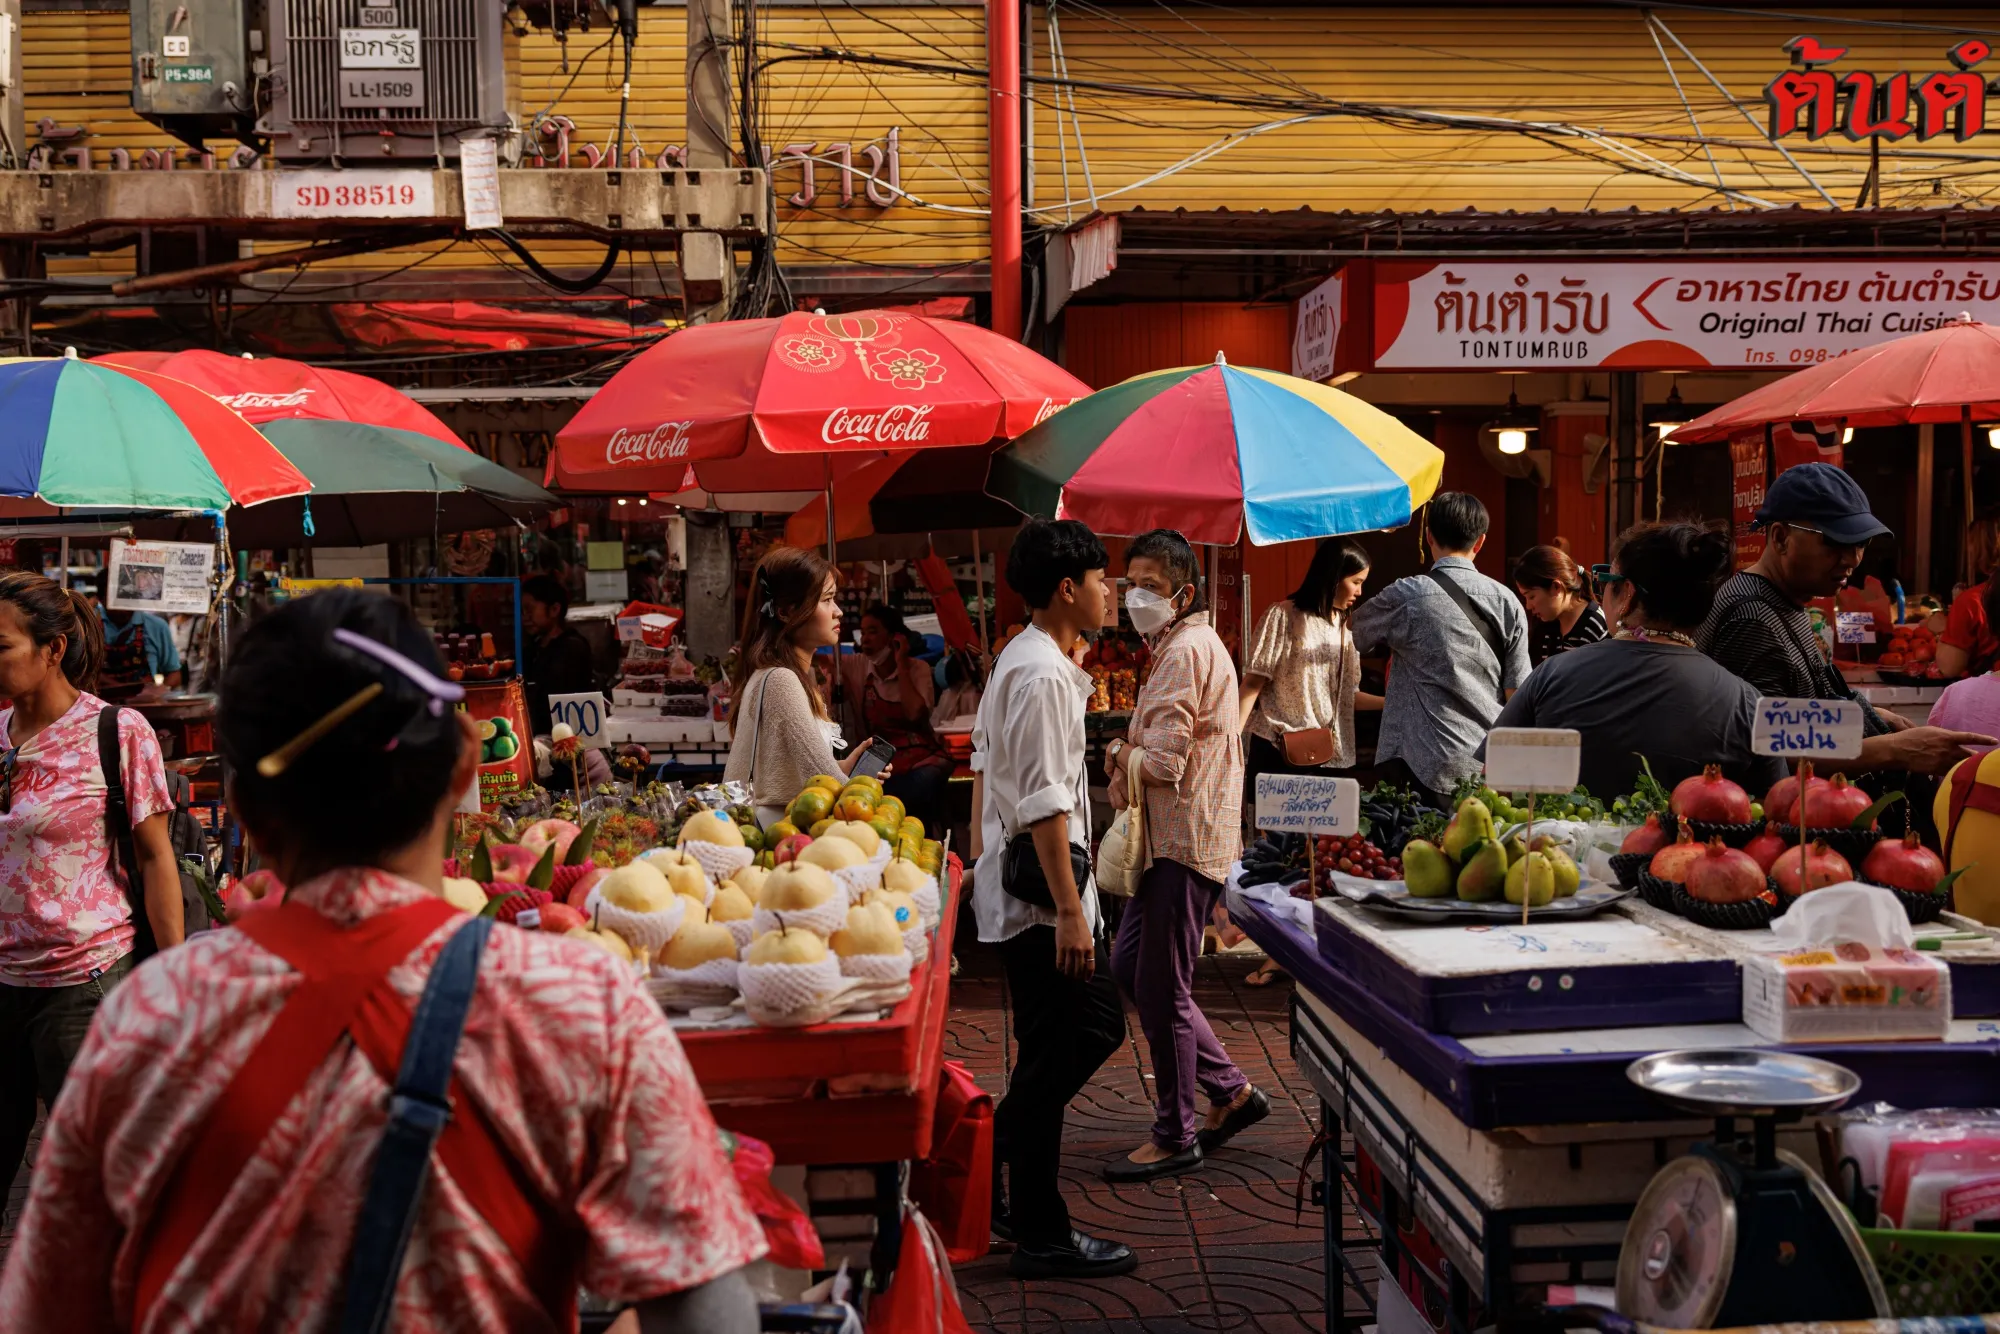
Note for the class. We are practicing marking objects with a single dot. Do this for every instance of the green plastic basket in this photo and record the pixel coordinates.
(1937, 1273)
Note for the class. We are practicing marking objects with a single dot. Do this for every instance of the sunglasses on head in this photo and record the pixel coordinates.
(1605, 577)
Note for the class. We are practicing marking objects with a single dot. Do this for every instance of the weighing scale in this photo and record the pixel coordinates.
(1740, 1232)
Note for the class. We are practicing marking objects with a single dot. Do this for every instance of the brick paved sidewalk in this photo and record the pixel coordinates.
(1219, 1250)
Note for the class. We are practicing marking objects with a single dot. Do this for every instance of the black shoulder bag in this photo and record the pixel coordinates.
(1481, 622)
(184, 830)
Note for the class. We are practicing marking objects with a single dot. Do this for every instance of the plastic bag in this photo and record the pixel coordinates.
(787, 1228)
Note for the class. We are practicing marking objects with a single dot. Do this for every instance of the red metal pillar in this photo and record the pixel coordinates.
(1003, 144)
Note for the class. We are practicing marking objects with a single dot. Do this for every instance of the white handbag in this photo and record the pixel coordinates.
(1121, 853)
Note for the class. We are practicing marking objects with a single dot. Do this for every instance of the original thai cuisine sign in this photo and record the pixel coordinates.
(1663, 314)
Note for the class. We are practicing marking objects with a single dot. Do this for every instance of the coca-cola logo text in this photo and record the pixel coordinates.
(900, 424)
(249, 399)
(668, 440)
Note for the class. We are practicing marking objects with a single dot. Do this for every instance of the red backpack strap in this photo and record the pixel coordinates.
(340, 967)
(1968, 793)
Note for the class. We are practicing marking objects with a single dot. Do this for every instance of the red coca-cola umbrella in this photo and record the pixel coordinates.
(787, 403)
(268, 389)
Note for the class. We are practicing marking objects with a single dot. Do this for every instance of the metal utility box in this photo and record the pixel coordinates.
(191, 66)
(359, 81)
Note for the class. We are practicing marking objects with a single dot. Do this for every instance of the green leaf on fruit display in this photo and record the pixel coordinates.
(544, 873)
(1365, 826)
(1866, 820)
(579, 848)
(1944, 885)
(492, 908)
(482, 861)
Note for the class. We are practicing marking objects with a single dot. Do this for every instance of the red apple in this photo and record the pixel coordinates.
(537, 836)
(560, 917)
(790, 847)
(580, 891)
(512, 863)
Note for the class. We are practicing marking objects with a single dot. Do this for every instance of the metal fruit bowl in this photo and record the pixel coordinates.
(1743, 1082)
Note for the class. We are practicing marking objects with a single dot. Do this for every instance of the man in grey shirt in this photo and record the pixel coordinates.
(1460, 646)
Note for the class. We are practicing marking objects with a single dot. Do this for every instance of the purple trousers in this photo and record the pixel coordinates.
(1153, 961)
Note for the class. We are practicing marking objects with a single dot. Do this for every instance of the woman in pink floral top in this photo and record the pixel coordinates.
(596, 1164)
(66, 930)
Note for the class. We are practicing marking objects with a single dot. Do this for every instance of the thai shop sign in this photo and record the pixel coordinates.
(1662, 314)
(1315, 329)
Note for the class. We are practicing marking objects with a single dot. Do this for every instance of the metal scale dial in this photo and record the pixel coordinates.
(1740, 1232)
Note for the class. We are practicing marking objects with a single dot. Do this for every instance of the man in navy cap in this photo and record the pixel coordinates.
(1817, 526)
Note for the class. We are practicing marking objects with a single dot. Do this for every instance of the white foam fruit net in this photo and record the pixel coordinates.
(877, 967)
(918, 942)
(824, 920)
(858, 880)
(714, 973)
(786, 987)
(743, 931)
(928, 902)
(717, 861)
(641, 930)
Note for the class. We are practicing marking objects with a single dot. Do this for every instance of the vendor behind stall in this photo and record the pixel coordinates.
(1647, 690)
(1817, 526)
(558, 658)
(139, 647)
(889, 692)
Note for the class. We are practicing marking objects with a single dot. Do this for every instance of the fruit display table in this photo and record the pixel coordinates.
(838, 1092)
(1511, 1160)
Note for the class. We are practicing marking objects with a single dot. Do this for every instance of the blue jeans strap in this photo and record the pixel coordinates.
(418, 1113)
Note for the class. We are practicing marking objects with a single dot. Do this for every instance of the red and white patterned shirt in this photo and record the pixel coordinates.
(64, 915)
(576, 1068)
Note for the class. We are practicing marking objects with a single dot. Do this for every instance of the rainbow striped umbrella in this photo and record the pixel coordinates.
(1214, 450)
(85, 433)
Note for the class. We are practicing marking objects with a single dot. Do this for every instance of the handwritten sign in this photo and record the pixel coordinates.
(584, 713)
(1533, 759)
(1807, 729)
(1303, 804)
(1855, 627)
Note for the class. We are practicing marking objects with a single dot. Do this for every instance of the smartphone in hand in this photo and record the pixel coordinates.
(875, 759)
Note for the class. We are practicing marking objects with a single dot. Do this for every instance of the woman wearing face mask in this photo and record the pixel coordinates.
(780, 732)
(1189, 766)
(889, 694)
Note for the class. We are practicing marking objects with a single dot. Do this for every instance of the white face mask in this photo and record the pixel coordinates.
(1149, 611)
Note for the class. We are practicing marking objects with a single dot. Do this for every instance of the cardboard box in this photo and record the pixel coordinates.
(1847, 992)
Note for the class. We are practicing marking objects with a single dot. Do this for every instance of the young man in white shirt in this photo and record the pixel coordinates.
(1029, 784)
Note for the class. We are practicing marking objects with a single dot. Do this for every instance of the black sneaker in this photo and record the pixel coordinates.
(1079, 1256)
(1254, 1109)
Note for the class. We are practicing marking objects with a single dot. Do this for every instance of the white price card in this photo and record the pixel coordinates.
(1806, 729)
(584, 713)
(1533, 759)
(1855, 627)
(479, 177)
(1304, 804)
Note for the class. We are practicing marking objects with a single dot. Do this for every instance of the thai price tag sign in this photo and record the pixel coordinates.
(1533, 759)
(1855, 627)
(1807, 729)
(584, 712)
(1305, 804)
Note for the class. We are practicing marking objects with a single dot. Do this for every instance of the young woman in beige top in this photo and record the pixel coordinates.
(780, 732)
(1303, 671)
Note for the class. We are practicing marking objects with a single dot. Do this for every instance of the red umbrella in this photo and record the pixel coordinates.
(761, 404)
(271, 389)
(1947, 374)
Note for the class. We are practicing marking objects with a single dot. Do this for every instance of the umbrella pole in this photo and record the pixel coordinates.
(979, 591)
(1965, 448)
(827, 464)
(62, 575)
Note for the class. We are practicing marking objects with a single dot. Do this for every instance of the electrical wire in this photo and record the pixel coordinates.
(573, 286)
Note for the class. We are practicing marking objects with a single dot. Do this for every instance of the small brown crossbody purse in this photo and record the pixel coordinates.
(1309, 747)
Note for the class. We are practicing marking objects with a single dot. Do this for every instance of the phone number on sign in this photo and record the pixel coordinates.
(354, 196)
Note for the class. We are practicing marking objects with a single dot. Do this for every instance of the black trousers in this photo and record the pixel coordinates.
(1063, 1031)
(41, 1029)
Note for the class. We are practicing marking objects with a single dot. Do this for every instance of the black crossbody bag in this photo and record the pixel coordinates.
(1022, 877)
(1481, 622)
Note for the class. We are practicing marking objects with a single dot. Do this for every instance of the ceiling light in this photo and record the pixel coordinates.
(1847, 435)
(1993, 437)
(1512, 428)
(1512, 440)
(1673, 415)
(621, 500)
(642, 502)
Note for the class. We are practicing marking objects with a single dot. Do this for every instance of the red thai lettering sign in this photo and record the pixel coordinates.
(1814, 101)
(1656, 314)
(1746, 463)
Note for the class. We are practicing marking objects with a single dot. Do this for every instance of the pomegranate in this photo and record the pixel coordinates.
(1815, 866)
(1672, 861)
(1904, 864)
(1711, 798)
(1778, 801)
(1721, 874)
(1764, 848)
(1648, 838)
(1833, 806)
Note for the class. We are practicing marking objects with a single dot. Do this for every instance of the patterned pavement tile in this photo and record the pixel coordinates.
(1222, 1250)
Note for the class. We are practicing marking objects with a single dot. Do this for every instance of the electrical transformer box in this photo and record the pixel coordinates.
(192, 66)
(359, 81)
